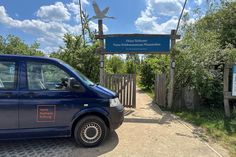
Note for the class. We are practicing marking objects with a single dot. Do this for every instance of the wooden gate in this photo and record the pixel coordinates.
(124, 86)
(160, 90)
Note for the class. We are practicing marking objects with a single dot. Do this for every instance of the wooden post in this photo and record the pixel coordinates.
(100, 32)
(134, 93)
(226, 90)
(172, 69)
(155, 89)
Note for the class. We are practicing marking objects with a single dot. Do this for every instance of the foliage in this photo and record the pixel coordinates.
(217, 126)
(152, 65)
(14, 45)
(202, 54)
(132, 63)
(81, 51)
(82, 57)
(227, 24)
(131, 67)
(114, 65)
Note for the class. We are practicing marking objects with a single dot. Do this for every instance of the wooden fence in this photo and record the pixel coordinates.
(124, 86)
(160, 90)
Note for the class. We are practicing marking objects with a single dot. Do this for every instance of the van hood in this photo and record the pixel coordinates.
(104, 92)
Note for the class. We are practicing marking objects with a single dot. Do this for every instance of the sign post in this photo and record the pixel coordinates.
(100, 15)
(172, 69)
(100, 32)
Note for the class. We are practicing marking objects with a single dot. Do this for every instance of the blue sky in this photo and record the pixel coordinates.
(46, 21)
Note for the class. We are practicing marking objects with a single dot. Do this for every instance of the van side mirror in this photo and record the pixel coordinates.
(74, 84)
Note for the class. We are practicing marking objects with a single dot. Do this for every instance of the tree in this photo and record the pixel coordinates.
(152, 65)
(14, 45)
(81, 56)
(203, 51)
(207, 45)
(228, 24)
(132, 63)
(114, 65)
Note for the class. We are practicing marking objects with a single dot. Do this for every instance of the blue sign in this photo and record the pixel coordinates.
(137, 44)
(234, 81)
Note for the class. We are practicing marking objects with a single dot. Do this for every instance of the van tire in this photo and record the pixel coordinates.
(90, 131)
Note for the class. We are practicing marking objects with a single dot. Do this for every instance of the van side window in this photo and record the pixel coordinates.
(43, 76)
(7, 75)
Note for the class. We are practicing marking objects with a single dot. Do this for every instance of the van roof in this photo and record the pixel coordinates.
(25, 57)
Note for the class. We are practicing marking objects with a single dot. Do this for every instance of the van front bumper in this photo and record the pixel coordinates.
(116, 116)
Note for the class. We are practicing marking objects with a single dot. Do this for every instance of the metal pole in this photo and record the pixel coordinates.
(81, 20)
(180, 17)
(172, 69)
(100, 32)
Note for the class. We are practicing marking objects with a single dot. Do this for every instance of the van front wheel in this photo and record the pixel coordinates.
(90, 131)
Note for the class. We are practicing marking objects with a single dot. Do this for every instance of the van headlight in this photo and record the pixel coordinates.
(114, 102)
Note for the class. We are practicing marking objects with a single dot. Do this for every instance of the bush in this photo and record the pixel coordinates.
(201, 58)
(82, 57)
(150, 66)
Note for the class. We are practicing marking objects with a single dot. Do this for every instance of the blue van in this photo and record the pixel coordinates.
(43, 97)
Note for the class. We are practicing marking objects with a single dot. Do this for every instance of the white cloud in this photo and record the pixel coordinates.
(159, 16)
(75, 9)
(36, 27)
(163, 7)
(48, 33)
(149, 25)
(47, 50)
(198, 2)
(74, 5)
(56, 12)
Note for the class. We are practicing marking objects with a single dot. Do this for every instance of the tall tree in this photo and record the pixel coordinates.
(82, 57)
(206, 46)
(14, 45)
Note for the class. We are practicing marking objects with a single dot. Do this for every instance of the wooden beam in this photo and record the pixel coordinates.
(228, 95)
(133, 35)
(159, 53)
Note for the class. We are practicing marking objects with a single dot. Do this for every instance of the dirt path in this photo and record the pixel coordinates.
(149, 132)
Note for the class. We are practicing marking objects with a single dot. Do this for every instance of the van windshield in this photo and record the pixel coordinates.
(81, 76)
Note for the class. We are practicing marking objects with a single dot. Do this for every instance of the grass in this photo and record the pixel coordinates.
(222, 129)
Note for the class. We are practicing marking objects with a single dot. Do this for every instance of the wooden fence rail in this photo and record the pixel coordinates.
(124, 85)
